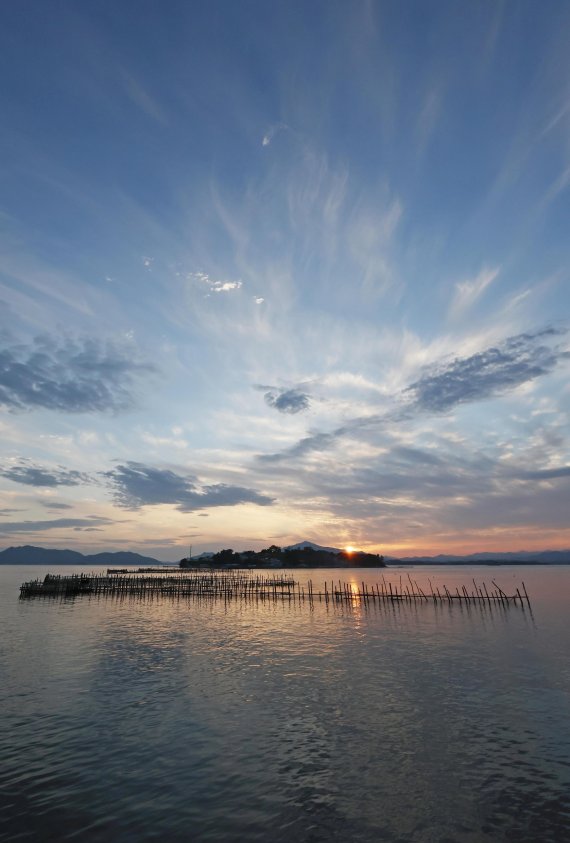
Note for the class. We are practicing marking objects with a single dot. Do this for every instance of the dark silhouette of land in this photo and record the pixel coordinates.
(30, 555)
(303, 555)
(299, 556)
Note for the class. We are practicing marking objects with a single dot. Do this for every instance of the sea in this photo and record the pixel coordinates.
(186, 720)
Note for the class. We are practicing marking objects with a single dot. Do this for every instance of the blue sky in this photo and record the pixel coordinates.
(279, 270)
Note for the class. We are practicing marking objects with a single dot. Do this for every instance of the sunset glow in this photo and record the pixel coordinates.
(236, 312)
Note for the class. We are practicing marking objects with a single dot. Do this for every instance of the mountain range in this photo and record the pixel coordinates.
(299, 546)
(528, 557)
(30, 555)
(545, 557)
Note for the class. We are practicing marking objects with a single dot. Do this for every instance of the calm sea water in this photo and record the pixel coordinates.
(184, 721)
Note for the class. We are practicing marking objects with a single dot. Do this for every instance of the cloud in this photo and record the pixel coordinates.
(371, 240)
(6, 510)
(415, 456)
(141, 98)
(272, 131)
(287, 400)
(71, 375)
(415, 475)
(164, 441)
(214, 285)
(305, 446)
(467, 292)
(422, 479)
(428, 115)
(488, 373)
(53, 505)
(560, 115)
(559, 185)
(225, 286)
(136, 485)
(34, 475)
(57, 523)
(458, 487)
(548, 473)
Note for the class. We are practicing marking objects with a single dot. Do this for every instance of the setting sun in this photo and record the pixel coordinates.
(349, 549)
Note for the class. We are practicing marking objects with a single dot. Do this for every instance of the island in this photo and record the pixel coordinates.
(303, 555)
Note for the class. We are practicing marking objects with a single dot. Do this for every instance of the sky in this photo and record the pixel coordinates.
(273, 271)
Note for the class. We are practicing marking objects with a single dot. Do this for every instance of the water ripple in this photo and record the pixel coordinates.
(193, 721)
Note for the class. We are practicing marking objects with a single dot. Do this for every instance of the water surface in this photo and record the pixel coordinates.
(192, 721)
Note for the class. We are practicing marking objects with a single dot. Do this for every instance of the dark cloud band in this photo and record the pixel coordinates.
(34, 475)
(72, 375)
(136, 485)
(79, 524)
(487, 374)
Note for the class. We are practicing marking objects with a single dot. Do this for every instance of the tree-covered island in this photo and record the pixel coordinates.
(291, 557)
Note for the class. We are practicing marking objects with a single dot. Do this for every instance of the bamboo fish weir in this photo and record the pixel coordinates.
(248, 585)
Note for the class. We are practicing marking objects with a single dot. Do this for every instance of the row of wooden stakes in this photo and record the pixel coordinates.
(229, 585)
(411, 592)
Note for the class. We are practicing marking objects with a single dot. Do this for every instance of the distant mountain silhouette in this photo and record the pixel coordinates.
(525, 557)
(30, 555)
(305, 544)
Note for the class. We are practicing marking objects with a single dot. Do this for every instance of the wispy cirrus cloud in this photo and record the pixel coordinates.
(136, 485)
(370, 234)
(429, 114)
(70, 375)
(560, 184)
(30, 474)
(468, 292)
(142, 98)
(559, 116)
